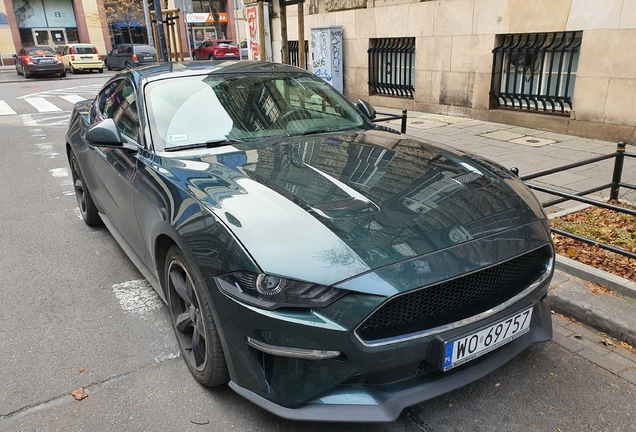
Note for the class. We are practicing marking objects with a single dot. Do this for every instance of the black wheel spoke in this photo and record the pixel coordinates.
(183, 321)
(199, 325)
(198, 347)
(180, 286)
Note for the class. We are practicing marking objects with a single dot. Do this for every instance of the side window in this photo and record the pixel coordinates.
(122, 108)
(103, 100)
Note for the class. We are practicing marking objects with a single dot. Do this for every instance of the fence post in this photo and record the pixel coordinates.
(403, 128)
(618, 170)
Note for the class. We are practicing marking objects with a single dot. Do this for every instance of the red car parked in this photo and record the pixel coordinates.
(216, 50)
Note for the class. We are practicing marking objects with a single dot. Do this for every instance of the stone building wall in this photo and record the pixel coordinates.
(454, 43)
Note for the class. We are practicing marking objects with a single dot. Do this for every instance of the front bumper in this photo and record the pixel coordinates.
(384, 402)
(362, 383)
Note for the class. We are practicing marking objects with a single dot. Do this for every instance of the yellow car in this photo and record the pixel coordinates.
(82, 57)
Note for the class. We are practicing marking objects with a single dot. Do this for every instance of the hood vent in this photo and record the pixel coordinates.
(468, 177)
(349, 204)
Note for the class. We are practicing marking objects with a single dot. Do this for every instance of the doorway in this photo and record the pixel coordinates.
(52, 37)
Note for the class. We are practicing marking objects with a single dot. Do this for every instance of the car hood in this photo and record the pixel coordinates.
(329, 208)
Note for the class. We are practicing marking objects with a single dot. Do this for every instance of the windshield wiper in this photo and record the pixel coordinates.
(319, 130)
(207, 144)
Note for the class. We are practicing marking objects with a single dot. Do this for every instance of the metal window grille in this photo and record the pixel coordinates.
(535, 71)
(392, 67)
(294, 54)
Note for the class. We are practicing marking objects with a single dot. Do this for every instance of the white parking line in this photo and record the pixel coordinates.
(42, 105)
(73, 98)
(5, 109)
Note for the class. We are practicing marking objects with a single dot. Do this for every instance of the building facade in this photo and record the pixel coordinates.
(560, 65)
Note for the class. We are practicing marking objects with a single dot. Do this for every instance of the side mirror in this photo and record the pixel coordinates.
(14, 55)
(105, 134)
(366, 108)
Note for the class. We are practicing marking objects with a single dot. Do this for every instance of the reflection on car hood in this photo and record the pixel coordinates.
(327, 209)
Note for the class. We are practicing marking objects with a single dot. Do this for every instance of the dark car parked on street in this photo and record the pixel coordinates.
(38, 60)
(217, 50)
(329, 269)
(128, 56)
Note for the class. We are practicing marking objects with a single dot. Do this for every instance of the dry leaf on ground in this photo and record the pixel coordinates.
(79, 394)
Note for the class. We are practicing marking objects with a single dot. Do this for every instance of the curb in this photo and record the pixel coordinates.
(597, 276)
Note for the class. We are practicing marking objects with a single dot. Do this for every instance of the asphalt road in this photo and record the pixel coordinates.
(74, 312)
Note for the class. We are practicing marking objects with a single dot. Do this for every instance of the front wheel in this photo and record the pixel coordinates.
(62, 74)
(193, 322)
(85, 202)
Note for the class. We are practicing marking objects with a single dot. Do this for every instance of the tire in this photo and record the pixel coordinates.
(62, 74)
(211, 57)
(108, 66)
(73, 70)
(18, 71)
(84, 199)
(193, 322)
(127, 66)
(100, 70)
(26, 74)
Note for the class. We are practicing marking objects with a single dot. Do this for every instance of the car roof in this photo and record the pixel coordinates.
(178, 69)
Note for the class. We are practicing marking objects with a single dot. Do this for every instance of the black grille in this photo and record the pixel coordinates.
(454, 300)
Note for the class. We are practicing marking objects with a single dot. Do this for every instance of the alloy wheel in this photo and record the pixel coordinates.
(187, 317)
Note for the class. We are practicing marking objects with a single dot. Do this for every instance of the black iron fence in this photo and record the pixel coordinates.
(294, 53)
(389, 117)
(535, 71)
(392, 67)
(614, 187)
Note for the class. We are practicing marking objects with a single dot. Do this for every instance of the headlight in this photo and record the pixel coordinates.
(273, 292)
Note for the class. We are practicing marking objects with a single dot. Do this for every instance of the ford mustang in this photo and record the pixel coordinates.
(327, 268)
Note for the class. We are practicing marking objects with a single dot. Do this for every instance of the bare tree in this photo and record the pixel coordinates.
(125, 11)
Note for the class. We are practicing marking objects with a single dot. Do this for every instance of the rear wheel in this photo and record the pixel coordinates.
(128, 65)
(84, 199)
(27, 74)
(211, 57)
(100, 70)
(73, 70)
(193, 322)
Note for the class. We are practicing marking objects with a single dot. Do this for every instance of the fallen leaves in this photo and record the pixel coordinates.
(598, 289)
(601, 225)
(79, 394)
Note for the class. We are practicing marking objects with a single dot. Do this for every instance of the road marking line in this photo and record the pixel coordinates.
(60, 172)
(28, 120)
(42, 105)
(137, 296)
(73, 98)
(5, 109)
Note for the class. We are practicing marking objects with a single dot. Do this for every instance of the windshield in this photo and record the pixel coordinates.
(186, 111)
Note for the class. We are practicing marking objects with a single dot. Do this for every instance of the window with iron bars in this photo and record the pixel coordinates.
(392, 67)
(294, 53)
(535, 71)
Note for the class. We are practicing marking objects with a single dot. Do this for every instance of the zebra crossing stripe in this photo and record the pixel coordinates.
(42, 105)
(5, 109)
(28, 120)
(73, 98)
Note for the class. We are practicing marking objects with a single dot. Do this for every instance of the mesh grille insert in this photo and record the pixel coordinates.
(454, 300)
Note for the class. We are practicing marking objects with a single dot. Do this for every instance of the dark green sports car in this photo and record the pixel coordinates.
(327, 268)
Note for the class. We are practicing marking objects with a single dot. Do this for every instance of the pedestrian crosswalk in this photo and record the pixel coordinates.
(47, 108)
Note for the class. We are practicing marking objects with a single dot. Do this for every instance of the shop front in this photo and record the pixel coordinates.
(46, 22)
(201, 27)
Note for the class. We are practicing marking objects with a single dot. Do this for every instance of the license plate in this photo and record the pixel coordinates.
(45, 61)
(148, 58)
(87, 58)
(470, 347)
